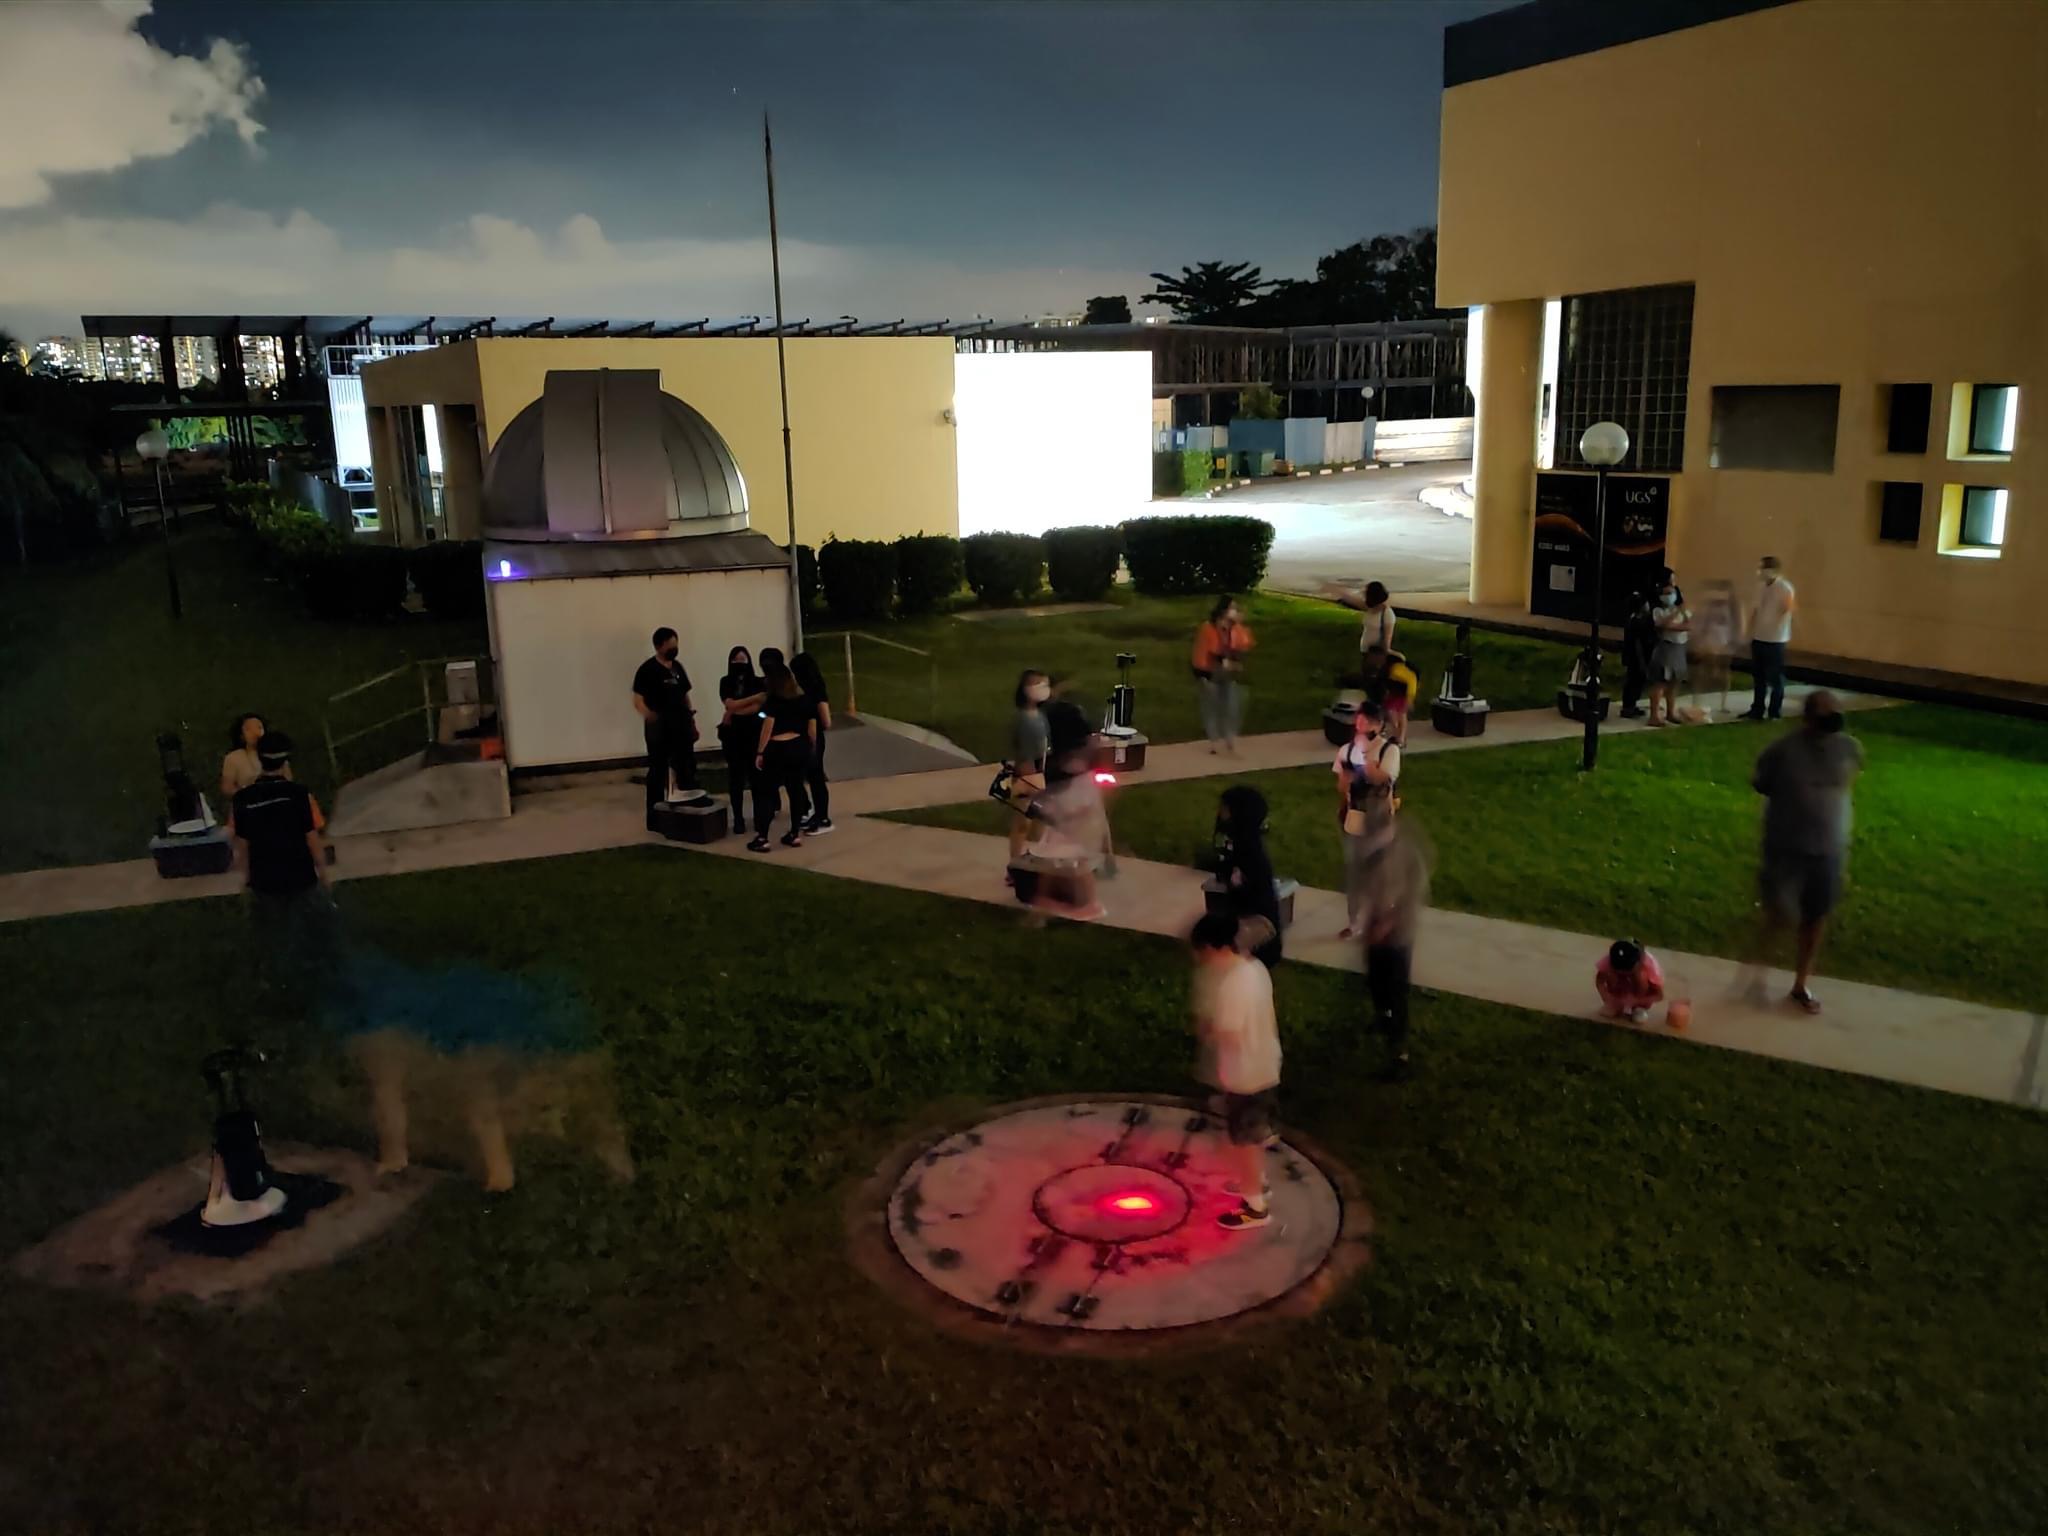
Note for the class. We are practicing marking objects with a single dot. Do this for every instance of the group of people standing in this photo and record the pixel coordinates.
(772, 728)
(1665, 642)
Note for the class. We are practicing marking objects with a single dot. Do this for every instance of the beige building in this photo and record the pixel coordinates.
(1800, 251)
(873, 438)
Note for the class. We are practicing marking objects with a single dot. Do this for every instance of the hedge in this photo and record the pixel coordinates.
(1004, 567)
(859, 577)
(352, 581)
(929, 569)
(449, 577)
(1197, 554)
(1185, 473)
(1080, 563)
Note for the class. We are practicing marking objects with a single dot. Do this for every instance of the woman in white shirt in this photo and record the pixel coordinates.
(1667, 663)
(240, 768)
(1368, 769)
(1376, 633)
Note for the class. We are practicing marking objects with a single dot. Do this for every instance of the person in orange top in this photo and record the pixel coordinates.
(1218, 661)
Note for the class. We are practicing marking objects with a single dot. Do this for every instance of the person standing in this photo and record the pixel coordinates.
(1368, 770)
(811, 679)
(1770, 632)
(1375, 633)
(741, 693)
(277, 824)
(1393, 889)
(782, 756)
(661, 695)
(1245, 869)
(1221, 645)
(1668, 661)
(1638, 648)
(1238, 1041)
(1030, 741)
(241, 767)
(1805, 778)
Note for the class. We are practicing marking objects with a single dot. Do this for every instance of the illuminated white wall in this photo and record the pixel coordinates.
(1052, 439)
(351, 423)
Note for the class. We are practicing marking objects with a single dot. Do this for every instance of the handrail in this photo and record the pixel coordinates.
(848, 636)
(861, 634)
(425, 708)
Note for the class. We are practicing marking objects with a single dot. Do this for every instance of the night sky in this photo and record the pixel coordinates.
(604, 159)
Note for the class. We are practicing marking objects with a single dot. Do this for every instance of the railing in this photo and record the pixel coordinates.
(389, 730)
(891, 685)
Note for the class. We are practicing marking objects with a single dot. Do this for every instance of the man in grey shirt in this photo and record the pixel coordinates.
(1805, 778)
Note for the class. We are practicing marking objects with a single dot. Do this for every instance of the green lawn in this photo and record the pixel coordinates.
(1302, 646)
(1946, 891)
(92, 667)
(1619, 1283)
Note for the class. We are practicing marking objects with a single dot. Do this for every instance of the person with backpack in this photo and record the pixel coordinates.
(1368, 770)
(1245, 869)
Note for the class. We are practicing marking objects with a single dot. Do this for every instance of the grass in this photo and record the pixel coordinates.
(1945, 892)
(92, 667)
(1619, 1284)
(1302, 646)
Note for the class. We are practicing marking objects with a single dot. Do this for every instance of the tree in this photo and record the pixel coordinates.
(1108, 309)
(1389, 277)
(1209, 291)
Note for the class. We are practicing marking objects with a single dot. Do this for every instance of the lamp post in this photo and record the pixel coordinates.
(1603, 445)
(155, 448)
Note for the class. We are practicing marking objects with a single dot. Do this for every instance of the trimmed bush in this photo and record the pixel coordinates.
(859, 577)
(449, 577)
(352, 581)
(929, 569)
(806, 577)
(1197, 554)
(1004, 567)
(1080, 563)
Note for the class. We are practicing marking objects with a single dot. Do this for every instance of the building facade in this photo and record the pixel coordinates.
(1799, 250)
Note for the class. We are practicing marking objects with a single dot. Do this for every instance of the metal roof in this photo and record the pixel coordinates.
(632, 557)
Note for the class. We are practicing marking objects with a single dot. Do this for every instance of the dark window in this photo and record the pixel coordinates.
(1775, 426)
(1898, 511)
(1907, 415)
(1994, 417)
(1983, 521)
(1626, 356)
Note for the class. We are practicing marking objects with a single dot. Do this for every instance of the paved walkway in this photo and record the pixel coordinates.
(1991, 1053)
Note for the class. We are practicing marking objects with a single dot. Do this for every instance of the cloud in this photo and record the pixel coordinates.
(230, 260)
(82, 90)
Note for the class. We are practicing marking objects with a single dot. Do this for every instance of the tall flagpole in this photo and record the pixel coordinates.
(796, 607)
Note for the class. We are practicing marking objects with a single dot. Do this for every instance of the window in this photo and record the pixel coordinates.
(1898, 511)
(1775, 426)
(1973, 520)
(1906, 414)
(1983, 421)
(1626, 356)
(1994, 417)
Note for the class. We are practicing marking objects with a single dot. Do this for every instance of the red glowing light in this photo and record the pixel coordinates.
(1105, 778)
(1135, 1204)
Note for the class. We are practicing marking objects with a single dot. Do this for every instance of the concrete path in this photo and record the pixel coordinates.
(1991, 1053)
(1371, 524)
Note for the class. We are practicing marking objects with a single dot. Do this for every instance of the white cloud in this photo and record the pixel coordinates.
(230, 260)
(82, 90)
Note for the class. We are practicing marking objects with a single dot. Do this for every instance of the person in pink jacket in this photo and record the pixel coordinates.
(1629, 980)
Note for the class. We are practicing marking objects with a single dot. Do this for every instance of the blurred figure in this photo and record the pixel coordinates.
(1770, 633)
(1221, 645)
(782, 759)
(1805, 778)
(1245, 869)
(1629, 980)
(1673, 621)
(741, 693)
(1238, 1053)
(1393, 887)
(1074, 837)
(1712, 646)
(808, 676)
(1368, 770)
(1029, 743)
(1398, 687)
(1638, 647)
(241, 767)
(277, 824)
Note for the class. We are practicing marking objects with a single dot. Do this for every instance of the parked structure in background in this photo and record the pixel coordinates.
(1783, 245)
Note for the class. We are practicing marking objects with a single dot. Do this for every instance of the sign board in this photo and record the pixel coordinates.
(1561, 574)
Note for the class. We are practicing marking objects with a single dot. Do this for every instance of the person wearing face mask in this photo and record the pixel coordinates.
(741, 693)
(661, 697)
(782, 758)
(1221, 645)
(1770, 631)
(1667, 663)
(1368, 769)
(1805, 779)
(1029, 743)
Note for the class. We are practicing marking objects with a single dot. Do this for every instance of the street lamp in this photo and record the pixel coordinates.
(1604, 445)
(155, 447)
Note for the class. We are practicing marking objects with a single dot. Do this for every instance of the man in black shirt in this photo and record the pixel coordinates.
(661, 695)
(278, 824)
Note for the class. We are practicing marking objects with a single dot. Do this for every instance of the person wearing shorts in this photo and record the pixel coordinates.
(1239, 1042)
(1806, 778)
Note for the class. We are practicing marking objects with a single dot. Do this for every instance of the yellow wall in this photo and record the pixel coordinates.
(1858, 190)
(874, 455)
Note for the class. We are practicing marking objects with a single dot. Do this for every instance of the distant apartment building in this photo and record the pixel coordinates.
(198, 361)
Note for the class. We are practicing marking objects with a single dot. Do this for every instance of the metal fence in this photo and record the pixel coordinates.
(404, 711)
(898, 689)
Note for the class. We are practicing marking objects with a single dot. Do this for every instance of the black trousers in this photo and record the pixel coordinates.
(1633, 680)
(739, 771)
(1386, 978)
(784, 767)
(1767, 666)
(668, 750)
(815, 781)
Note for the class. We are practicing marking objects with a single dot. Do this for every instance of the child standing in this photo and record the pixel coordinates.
(1239, 1041)
(1629, 980)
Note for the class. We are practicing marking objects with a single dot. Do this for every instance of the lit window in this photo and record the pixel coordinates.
(1994, 418)
(1983, 518)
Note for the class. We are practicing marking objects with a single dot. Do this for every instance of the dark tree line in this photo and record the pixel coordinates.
(1389, 277)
